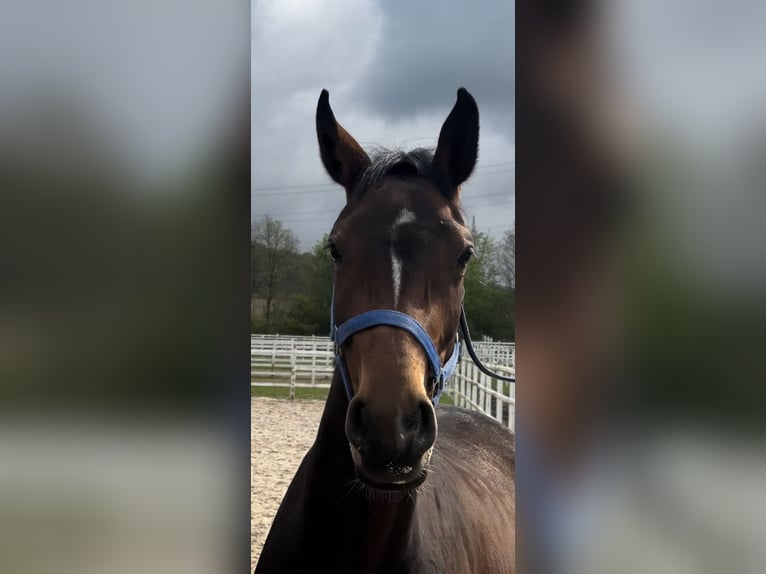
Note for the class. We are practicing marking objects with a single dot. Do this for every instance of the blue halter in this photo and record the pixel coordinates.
(340, 333)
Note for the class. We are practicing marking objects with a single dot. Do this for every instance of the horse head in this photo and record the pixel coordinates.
(400, 247)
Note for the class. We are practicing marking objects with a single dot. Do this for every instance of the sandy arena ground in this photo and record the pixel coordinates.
(281, 433)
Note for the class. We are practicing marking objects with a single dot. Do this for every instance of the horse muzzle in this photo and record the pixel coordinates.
(391, 452)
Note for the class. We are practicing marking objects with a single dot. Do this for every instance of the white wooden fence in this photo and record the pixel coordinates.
(307, 362)
(472, 389)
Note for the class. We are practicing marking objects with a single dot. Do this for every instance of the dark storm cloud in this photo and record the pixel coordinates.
(428, 50)
(392, 71)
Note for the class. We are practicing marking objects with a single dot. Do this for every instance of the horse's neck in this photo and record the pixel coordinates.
(332, 434)
(375, 528)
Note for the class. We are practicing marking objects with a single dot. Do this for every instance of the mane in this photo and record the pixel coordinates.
(385, 162)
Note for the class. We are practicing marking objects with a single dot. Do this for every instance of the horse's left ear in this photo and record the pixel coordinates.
(458, 146)
(343, 158)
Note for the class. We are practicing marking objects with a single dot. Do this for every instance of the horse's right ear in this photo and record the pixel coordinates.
(343, 158)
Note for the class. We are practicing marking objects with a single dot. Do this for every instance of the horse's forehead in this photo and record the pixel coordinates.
(423, 204)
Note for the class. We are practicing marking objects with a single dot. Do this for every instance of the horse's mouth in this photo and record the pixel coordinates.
(395, 486)
(392, 477)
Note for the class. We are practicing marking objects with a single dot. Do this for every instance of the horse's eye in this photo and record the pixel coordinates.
(465, 257)
(334, 253)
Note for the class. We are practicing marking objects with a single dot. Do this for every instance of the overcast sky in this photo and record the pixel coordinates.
(392, 69)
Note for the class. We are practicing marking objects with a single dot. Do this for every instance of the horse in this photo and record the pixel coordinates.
(395, 483)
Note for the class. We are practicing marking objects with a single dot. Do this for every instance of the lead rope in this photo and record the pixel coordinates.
(472, 353)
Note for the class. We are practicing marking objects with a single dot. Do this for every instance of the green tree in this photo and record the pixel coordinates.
(274, 247)
(489, 305)
(506, 259)
(310, 309)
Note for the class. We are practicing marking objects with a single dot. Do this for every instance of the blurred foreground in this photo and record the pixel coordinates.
(641, 286)
(124, 226)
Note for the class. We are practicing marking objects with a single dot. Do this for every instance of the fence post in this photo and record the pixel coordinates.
(292, 372)
(466, 387)
(482, 394)
(273, 356)
(313, 361)
(513, 356)
(499, 387)
(456, 382)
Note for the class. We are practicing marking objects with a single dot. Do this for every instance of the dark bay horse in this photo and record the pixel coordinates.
(393, 484)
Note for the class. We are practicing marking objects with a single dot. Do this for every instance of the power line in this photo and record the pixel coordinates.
(484, 165)
(487, 204)
(311, 186)
(321, 213)
(279, 187)
(467, 204)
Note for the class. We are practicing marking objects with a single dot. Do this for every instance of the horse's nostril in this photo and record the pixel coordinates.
(411, 422)
(355, 422)
(426, 431)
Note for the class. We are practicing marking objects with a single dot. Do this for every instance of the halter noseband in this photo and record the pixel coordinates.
(340, 333)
